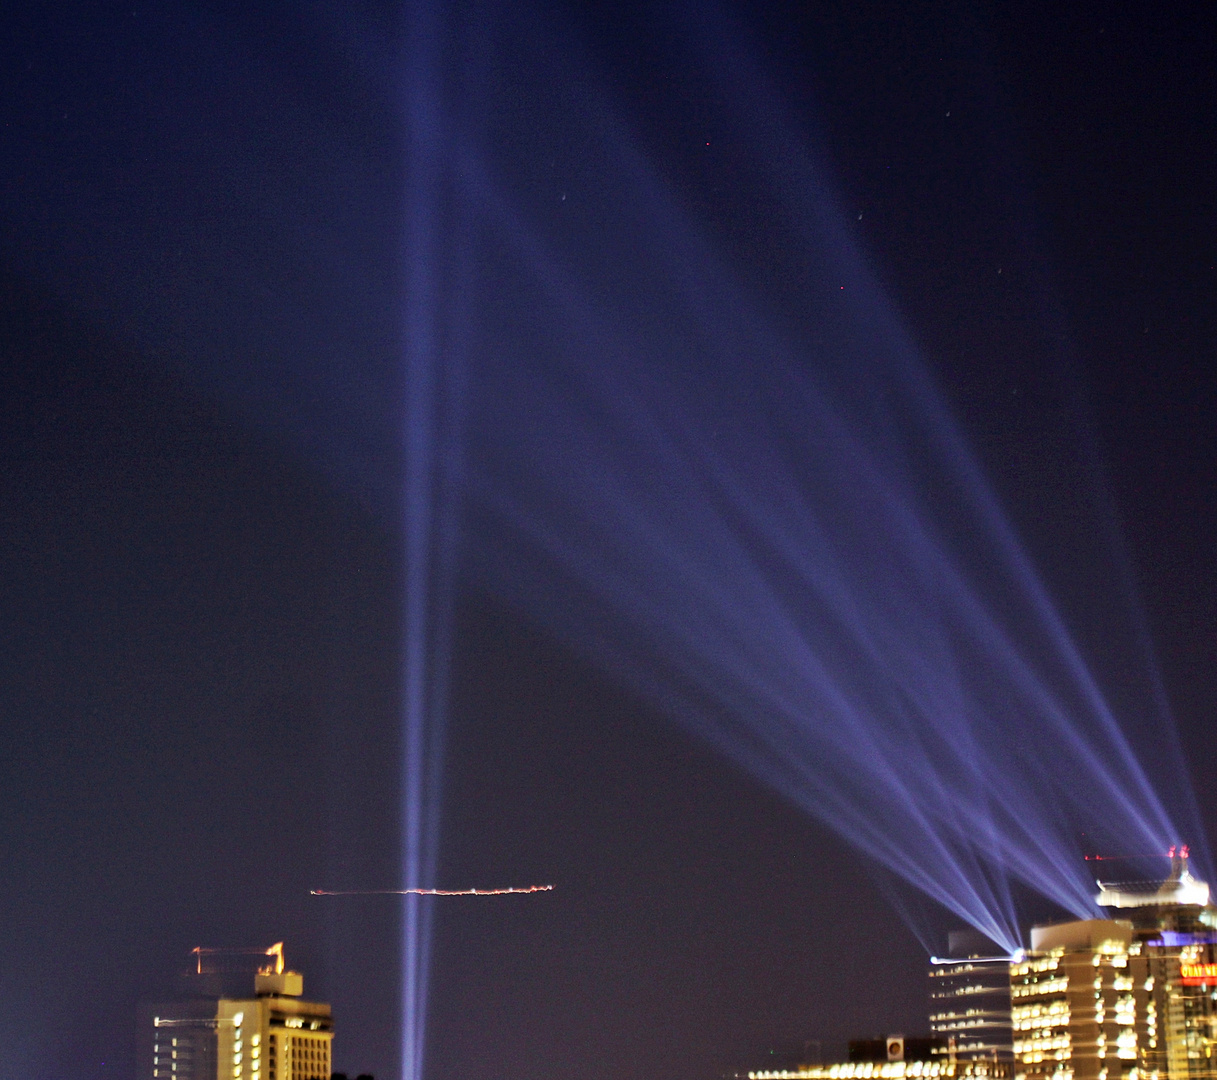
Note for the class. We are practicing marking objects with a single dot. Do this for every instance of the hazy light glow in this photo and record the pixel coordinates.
(780, 535)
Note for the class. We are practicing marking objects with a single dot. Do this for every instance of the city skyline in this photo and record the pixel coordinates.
(803, 370)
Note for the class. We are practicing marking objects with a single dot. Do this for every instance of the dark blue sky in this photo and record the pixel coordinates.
(201, 271)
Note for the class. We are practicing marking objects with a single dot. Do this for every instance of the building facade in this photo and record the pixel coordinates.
(970, 999)
(1078, 1003)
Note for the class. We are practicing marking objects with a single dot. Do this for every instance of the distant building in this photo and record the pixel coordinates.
(896, 1048)
(970, 999)
(939, 1069)
(219, 1031)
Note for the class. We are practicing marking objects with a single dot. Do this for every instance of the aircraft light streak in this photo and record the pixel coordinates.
(433, 892)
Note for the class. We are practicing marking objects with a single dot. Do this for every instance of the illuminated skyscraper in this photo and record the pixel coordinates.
(1077, 1002)
(1127, 999)
(1174, 926)
(215, 1034)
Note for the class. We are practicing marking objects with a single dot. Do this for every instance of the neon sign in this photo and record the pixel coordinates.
(1197, 974)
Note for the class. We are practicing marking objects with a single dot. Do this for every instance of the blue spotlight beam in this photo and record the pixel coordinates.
(766, 120)
(432, 387)
(781, 535)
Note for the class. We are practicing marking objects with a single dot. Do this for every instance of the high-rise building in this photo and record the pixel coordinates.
(970, 998)
(1174, 928)
(896, 1048)
(1074, 1003)
(218, 1032)
(1132, 998)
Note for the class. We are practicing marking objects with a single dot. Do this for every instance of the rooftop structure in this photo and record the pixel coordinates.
(1179, 888)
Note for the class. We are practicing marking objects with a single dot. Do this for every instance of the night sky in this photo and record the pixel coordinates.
(200, 283)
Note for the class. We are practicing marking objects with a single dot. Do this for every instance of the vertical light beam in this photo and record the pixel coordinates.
(424, 640)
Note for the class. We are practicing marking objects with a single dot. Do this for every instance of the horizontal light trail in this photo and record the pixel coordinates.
(432, 892)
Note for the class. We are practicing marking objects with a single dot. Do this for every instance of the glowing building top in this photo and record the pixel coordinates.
(1179, 888)
(220, 1031)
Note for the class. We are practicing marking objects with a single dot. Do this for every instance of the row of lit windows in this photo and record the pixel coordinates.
(1050, 1012)
(1042, 1045)
(1044, 963)
(1056, 985)
(954, 1014)
(945, 1023)
(969, 988)
(1040, 1056)
(300, 1022)
(957, 969)
(1114, 948)
(1035, 1057)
